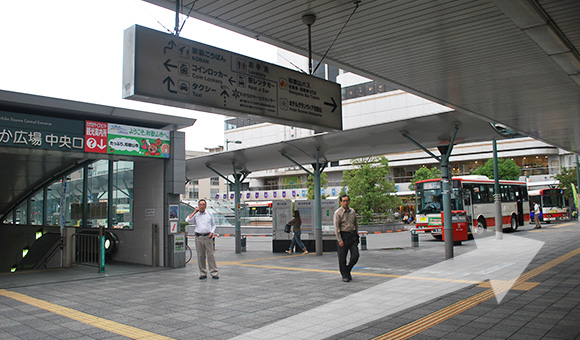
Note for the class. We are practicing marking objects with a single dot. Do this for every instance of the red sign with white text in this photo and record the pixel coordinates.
(96, 136)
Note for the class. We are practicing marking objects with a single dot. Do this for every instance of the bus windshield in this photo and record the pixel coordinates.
(430, 200)
(553, 199)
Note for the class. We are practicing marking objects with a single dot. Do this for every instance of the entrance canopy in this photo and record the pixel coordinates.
(430, 131)
(25, 169)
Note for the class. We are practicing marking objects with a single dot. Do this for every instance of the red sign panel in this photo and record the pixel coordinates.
(96, 136)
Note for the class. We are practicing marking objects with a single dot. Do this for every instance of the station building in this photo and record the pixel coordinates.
(75, 170)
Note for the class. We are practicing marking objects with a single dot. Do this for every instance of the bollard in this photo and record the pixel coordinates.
(243, 243)
(414, 239)
(363, 241)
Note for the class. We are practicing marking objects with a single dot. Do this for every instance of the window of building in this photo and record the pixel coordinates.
(214, 181)
(213, 192)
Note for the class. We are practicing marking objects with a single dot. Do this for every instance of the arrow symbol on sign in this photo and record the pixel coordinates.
(168, 65)
(333, 104)
(170, 83)
(225, 93)
(169, 46)
(500, 261)
(232, 81)
(101, 145)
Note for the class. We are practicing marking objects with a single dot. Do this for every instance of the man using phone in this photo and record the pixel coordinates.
(204, 231)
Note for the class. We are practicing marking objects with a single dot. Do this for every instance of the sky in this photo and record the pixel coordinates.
(73, 49)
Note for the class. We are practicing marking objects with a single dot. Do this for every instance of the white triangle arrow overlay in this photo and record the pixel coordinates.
(515, 253)
(500, 261)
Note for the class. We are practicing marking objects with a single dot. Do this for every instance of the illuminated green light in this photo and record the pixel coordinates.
(38, 234)
(24, 252)
(13, 269)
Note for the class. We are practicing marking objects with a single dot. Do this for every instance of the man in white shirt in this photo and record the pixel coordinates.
(204, 230)
(537, 215)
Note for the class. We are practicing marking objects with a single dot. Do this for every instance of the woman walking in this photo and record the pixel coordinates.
(296, 224)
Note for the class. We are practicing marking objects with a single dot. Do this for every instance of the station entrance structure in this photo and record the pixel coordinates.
(71, 169)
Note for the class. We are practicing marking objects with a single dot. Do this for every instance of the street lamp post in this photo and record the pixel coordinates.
(232, 141)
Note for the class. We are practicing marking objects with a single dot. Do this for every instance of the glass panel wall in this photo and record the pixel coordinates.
(65, 197)
(9, 219)
(122, 178)
(36, 208)
(74, 198)
(53, 195)
(21, 214)
(97, 193)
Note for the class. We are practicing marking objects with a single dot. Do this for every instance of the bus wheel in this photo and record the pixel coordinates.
(480, 229)
(514, 223)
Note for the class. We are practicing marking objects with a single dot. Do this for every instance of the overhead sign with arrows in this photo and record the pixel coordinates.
(165, 69)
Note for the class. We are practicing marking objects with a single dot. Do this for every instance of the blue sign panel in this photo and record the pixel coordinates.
(39, 132)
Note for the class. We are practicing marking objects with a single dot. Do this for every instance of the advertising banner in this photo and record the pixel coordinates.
(127, 140)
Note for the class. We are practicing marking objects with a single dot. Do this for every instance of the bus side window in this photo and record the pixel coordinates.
(490, 191)
(512, 194)
(504, 194)
(476, 194)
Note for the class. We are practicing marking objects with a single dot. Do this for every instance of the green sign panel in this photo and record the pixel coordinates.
(137, 141)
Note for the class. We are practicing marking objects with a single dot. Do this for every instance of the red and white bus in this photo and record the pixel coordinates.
(473, 194)
(552, 204)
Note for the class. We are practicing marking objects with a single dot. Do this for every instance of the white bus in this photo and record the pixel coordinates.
(552, 204)
(473, 194)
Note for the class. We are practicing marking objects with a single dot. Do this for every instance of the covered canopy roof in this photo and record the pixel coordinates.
(430, 131)
(514, 62)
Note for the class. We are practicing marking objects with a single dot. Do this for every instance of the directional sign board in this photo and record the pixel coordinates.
(164, 69)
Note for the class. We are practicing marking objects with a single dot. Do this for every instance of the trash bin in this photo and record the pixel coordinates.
(243, 243)
(363, 240)
(414, 238)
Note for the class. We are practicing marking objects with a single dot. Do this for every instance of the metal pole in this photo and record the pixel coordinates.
(317, 206)
(577, 183)
(177, 3)
(310, 49)
(447, 220)
(497, 195)
(238, 228)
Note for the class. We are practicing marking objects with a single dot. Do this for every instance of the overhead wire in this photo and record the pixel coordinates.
(187, 17)
(339, 32)
(152, 16)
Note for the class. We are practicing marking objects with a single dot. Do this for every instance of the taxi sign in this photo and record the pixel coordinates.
(165, 69)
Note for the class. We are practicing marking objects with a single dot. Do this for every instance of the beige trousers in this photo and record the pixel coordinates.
(204, 248)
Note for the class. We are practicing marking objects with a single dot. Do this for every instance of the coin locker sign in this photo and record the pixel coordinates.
(164, 69)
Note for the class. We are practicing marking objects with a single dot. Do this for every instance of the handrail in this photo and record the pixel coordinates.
(87, 249)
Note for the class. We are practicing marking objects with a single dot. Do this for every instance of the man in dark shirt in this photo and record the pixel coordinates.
(346, 230)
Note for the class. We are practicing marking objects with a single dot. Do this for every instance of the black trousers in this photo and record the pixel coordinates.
(350, 245)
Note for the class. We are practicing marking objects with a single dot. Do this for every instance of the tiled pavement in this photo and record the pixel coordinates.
(262, 292)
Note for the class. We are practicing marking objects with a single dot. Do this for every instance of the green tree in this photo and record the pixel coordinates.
(507, 168)
(424, 173)
(566, 178)
(310, 185)
(369, 189)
